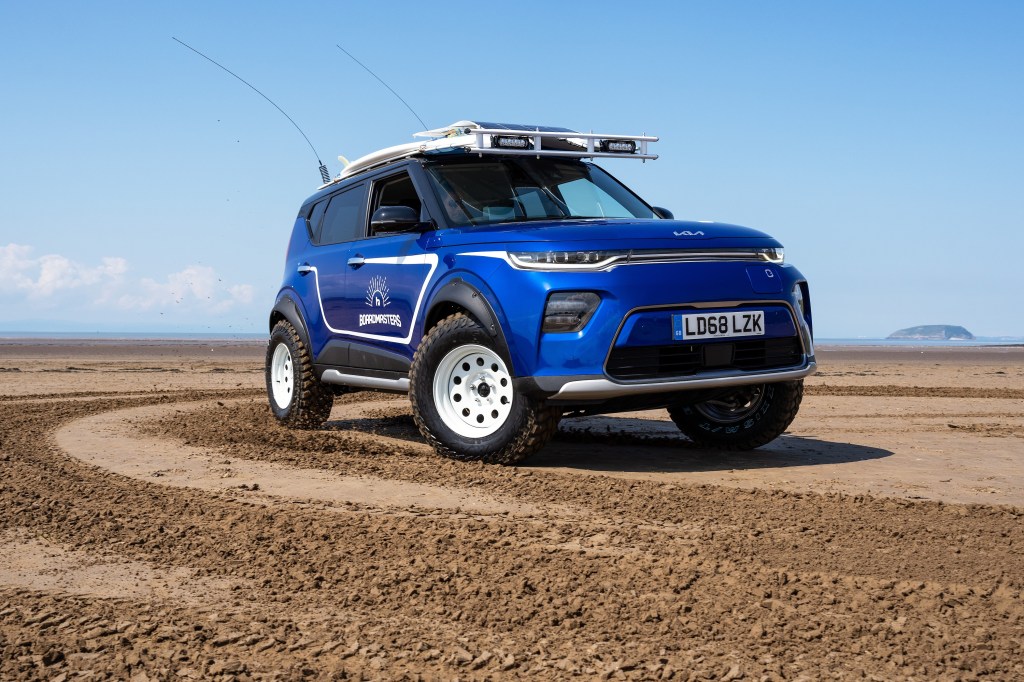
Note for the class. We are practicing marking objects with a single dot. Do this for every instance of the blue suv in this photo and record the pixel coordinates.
(503, 282)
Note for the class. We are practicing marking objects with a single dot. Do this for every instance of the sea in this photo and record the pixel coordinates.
(130, 336)
(220, 336)
(922, 343)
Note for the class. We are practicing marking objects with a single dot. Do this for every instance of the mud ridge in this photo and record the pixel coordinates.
(915, 391)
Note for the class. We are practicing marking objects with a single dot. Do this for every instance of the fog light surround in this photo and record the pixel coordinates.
(798, 296)
(569, 311)
(802, 297)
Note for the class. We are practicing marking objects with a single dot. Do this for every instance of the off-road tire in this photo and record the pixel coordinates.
(776, 411)
(530, 423)
(310, 401)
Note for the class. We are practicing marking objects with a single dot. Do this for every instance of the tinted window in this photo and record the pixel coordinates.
(397, 190)
(524, 189)
(343, 220)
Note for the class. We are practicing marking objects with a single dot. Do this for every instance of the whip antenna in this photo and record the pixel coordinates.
(425, 126)
(324, 173)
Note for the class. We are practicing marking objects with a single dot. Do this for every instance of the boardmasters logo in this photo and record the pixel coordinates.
(377, 297)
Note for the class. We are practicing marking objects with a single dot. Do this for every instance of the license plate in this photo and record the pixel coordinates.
(717, 325)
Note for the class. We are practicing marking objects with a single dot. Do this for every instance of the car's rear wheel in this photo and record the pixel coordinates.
(464, 400)
(744, 418)
(296, 397)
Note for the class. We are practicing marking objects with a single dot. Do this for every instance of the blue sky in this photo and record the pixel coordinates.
(142, 189)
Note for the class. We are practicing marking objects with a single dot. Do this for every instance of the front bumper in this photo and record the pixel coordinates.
(570, 389)
(627, 349)
(602, 387)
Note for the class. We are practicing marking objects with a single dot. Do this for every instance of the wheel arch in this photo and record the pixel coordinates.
(287, 309)
(458, 295)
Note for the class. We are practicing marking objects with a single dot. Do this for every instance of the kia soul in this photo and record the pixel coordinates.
(503, 280)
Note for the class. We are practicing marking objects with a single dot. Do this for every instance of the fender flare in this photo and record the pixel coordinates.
(465, 295)
(287, 308)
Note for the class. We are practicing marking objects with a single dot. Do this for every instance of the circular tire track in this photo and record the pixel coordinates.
(646, 581)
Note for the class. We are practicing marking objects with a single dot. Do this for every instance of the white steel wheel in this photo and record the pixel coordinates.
(472, 391)
(282, 376)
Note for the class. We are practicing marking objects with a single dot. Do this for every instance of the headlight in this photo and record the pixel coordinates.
(569, 311)
(595, 261)
(567, 260)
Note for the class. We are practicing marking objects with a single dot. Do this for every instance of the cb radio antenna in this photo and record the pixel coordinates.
(324, 173)
(425, 126)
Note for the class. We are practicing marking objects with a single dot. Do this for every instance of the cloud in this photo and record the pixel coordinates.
(195, 286)
(43, 276)
(53, 278)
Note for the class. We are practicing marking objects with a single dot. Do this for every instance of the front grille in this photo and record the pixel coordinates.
(685, 359)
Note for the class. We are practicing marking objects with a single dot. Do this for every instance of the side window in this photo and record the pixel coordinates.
(343, 220)
(314, 219)
(396, 190)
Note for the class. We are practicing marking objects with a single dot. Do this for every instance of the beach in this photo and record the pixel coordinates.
(155, 523)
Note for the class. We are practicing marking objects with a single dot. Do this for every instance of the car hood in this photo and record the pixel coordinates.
(622, 233)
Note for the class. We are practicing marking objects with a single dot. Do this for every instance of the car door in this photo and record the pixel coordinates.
(388, 273)
(334, 230)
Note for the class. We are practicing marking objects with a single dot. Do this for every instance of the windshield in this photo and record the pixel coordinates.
(520, 189)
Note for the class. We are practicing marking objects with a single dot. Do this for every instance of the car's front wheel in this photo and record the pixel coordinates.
(464, 400)
(296, 397)
(744, 418)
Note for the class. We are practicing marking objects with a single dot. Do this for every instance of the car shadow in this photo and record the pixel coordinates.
(400, 426)
(629, 444)
(684, 456)
(655, 445)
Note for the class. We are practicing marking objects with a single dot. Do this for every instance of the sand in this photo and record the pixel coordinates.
(156, 524)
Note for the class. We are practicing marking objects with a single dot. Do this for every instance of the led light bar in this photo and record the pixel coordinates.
(619, 146)
(511, 142)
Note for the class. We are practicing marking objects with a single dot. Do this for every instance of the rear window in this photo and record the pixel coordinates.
(315, 218)
(344, 217)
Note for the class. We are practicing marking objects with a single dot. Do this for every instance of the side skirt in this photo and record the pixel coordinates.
(394, 382)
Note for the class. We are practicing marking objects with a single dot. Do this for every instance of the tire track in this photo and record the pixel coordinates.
(765, 585)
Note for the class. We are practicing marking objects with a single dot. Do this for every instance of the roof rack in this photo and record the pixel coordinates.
(509, 139)
(530, 140)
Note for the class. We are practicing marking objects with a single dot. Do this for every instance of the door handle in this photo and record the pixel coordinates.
(356, 261)
(305, 269)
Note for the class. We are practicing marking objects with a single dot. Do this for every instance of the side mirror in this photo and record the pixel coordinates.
(663, 213)
(394, 219)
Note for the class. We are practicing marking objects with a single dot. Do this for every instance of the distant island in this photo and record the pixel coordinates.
(935, 332)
